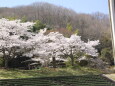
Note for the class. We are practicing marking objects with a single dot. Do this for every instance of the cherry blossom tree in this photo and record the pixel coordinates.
(15, 38)
(55, 45)
(71, 47)
(11, 42)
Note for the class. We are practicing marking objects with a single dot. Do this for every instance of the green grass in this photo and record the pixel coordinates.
(81, 80)
(46, 72)
(80, 76)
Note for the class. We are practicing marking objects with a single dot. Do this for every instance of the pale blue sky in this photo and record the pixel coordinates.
(80, 6)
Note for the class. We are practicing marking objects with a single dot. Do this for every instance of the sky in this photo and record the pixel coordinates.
(80, 6)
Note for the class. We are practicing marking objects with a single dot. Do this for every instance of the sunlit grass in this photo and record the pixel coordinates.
(44, 72)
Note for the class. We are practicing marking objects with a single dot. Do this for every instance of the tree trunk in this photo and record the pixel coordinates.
(29, 66)
(6, 62)
(54, 62)
(72, 60)
(5, 57)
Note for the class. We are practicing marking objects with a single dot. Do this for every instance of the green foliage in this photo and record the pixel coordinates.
(46, 72)
(49, 28)
(69, 27)
(24, 19)
(38, 25)
(11, 18)
(106, 55)
(76, 31)
(105, 42)
(80, 54)
(68, 63)
(105, 49)
(88, 56)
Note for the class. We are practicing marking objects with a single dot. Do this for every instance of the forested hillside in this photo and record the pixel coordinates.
(90, 26)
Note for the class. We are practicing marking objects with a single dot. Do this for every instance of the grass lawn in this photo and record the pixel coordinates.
(43, 72)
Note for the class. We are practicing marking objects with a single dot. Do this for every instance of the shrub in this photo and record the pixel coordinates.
(106, 55)
(37, 26)
(59, 63)
(83, 63)
(18, 62)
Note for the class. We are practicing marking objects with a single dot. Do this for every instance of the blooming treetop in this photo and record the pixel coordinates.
(90, 47)
(10, 33)
(15, 27)
(47, 46)
(56, 45)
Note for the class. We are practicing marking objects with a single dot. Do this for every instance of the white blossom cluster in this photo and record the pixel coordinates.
(39, 45)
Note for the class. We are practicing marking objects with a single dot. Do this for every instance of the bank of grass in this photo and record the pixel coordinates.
(45, 72)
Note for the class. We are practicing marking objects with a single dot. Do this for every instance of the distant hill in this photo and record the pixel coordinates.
(91, 26)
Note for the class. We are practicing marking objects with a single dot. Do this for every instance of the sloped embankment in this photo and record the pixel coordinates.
(82, 80)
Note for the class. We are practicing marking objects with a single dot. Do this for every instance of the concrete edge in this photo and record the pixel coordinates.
(107, 78)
